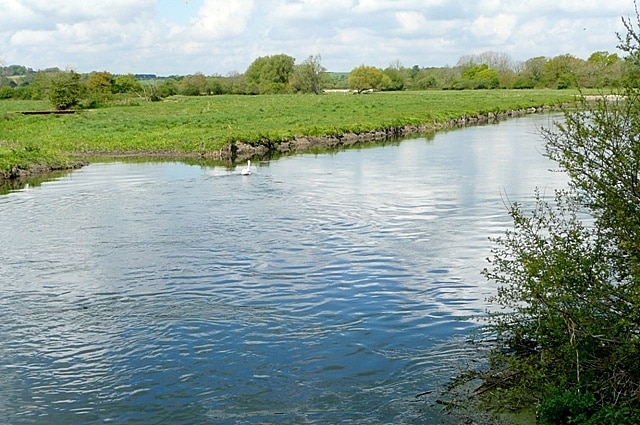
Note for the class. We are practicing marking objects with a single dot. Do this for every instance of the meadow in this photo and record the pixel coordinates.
(190, 126)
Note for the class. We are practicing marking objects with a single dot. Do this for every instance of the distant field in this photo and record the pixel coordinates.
(184, 125)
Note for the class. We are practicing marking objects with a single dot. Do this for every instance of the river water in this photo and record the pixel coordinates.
(328, 288)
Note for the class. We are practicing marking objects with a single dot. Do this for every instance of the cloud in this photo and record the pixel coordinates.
(222, 18)
(219, 36)
(496, 29)
(411, 22)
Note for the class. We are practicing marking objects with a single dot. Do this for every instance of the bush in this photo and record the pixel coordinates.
(576, 408)
(566, 407)
(6, 92)
(568, 272)
(65, 90)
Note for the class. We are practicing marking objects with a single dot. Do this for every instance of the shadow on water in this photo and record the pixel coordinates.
(7, 186)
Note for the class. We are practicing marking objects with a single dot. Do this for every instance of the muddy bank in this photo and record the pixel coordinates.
(239, 151)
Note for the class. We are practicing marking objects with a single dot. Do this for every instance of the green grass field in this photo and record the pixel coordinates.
(197, 125)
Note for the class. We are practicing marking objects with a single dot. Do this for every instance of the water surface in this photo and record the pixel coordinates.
(327, 288)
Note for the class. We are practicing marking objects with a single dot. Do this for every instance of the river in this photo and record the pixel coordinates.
(322, 288)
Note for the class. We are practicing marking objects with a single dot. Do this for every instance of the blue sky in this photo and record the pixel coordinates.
(223, 36)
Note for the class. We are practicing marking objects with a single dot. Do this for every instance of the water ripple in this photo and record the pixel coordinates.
(321, 289)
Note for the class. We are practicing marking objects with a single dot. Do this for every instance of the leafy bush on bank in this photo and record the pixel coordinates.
(567, 316)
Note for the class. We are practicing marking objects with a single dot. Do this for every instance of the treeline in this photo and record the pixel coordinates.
(280, 74)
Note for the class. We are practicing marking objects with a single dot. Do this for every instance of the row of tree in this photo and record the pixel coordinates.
(280, 74)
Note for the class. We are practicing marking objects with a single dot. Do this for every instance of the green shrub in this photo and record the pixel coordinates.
(6, 92)
(566, 407)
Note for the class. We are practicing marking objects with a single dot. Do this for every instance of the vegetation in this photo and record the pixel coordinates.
(269, 74)
(309, 77)
(280, 74)
(182, 125)
(65, 90)
(568, 322)
(368, 78)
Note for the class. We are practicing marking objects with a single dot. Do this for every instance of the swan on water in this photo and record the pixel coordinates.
(246, 170)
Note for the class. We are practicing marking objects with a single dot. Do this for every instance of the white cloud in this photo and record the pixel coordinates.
(287, 10)
(222, 18)
(496, 29)
(218, 36)
(411, 21)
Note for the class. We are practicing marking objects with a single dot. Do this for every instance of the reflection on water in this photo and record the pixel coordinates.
(320, 289)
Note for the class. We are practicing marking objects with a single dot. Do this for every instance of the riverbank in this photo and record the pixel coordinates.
(237, 151)
(235, 128)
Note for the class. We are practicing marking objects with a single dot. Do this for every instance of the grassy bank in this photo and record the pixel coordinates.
(197, 125)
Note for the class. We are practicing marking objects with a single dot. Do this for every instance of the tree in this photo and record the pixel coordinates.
(269, 74)
(194, 85)
(126, 84)
(563, 71)
(397, 76)
(602, 69)
(533, 70)
(6, 92)
(365, 77)
(99, 87)
(501, 65)
(479, 77)
(568, 325)
(494, 60)
(308, 77)
(65, 90)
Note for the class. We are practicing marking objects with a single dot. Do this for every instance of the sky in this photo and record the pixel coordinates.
(220, 37)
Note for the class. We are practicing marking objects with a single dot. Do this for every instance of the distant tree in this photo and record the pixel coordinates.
(337, 80)
(602, 69)
(126, 84)
(309, 76)
(157, 90)
(215, 85)
(99, 87)
(13, 70)
(534, 68)
(193, 85)
(6, 92)
(398, 76)
(65, 90)
(234, 83)
(500, 63)
(100, 82)
(478, 77)
(530, 73)
(269, 74)
(365, 77)
(563, 71)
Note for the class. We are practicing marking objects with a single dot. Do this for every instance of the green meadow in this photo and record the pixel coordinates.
(182, 126)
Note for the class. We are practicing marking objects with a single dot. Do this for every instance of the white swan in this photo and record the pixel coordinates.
(246, 170)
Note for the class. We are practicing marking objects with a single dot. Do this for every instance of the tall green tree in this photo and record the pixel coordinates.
(309, 76)
(126, 83)
(194, 85)
(398, 76)
(563, 71)
(365, 77)
(65, 90)
(269, 74)
(99, 88)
